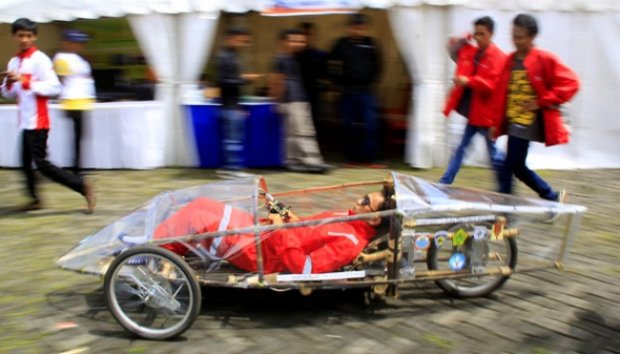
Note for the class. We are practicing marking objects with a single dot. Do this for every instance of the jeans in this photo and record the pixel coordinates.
(361, 125)
(495, 156)
(515, 164)
(233, 134)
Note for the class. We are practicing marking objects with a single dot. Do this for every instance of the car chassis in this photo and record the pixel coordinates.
(464, 236)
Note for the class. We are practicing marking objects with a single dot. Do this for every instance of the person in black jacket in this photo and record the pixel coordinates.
(313, 66)
(230, 80)
(355, 64)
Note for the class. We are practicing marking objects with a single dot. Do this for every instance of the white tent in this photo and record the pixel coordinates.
(175, 36)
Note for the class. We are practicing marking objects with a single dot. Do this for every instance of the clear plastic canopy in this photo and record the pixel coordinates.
(415, 198)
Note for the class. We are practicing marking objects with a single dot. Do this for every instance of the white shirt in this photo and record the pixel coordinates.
(77, 80)
(38, 82)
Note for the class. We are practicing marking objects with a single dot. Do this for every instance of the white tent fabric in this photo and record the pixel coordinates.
(424, 52)
(177, 48)
(584, 33)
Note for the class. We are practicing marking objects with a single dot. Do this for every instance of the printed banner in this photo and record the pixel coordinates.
(310, 7)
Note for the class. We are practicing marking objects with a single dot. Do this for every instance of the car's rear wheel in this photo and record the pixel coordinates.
(152, 292)
(497, 255)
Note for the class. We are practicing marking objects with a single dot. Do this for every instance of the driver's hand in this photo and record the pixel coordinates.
(276, 219)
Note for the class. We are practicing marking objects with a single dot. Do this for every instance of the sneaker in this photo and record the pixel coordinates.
(562, 195)
(320, 167)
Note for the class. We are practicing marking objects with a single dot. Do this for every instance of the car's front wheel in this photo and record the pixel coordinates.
(152, 292)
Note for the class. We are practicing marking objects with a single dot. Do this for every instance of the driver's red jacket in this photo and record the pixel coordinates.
(309, 249)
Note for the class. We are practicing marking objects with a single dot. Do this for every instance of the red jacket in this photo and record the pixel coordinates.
(483, 83)
(554, 84)
(310, 249)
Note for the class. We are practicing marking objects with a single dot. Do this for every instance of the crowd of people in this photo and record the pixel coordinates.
(295, 82)
(517, 94)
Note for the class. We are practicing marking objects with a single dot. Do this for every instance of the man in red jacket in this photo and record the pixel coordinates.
(474, 93)
(309, 249)
(533, 84)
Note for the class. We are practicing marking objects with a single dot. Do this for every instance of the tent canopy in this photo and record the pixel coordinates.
(67, 10)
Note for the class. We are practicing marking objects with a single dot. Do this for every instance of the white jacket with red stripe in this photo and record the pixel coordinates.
(38, 82)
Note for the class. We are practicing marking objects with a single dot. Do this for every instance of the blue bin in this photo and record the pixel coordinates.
(204, 119)
(263, 136)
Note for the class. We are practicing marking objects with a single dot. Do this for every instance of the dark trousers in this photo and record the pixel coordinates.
(34, 148)
(515, 165)
(76, 117)
(361, 126)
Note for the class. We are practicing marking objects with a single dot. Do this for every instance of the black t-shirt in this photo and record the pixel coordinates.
(229, 77)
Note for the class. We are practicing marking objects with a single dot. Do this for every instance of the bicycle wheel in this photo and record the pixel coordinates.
(495, 254)
(152, 292)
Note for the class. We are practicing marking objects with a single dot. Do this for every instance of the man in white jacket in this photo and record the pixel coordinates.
(30, 79)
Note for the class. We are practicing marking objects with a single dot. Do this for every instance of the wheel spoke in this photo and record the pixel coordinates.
(174, 296)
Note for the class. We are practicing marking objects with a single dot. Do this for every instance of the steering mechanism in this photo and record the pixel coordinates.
(278, 212)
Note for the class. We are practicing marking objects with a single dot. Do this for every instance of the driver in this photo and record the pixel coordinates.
(309, 249)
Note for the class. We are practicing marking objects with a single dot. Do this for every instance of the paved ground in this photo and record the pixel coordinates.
(46, 310)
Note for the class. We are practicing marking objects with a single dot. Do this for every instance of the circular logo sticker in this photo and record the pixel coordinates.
(457, 261)
(422, 243)
(480, 232)
(440, 237)
(459, 237)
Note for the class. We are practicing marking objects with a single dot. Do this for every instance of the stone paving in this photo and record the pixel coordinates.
(46, 310)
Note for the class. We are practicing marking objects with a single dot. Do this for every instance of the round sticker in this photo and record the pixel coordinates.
(479, 232)
(459, 238)
(457, 261)
(440, 237)
(422, 243)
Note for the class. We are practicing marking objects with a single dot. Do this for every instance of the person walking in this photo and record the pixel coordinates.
(355, 64)
(533, 85)
(78, 87)
(31, 80)
(230, 80)
(474, 94)
(286, 88)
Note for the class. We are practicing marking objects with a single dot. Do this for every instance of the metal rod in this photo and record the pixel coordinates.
(572, 224)
(259, 252)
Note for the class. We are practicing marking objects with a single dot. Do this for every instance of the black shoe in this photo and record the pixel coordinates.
(313, 168)
(36, 205)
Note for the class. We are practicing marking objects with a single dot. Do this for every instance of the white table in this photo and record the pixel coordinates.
(116, 135)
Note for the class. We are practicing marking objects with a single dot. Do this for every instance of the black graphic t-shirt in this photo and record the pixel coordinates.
(522, 124)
